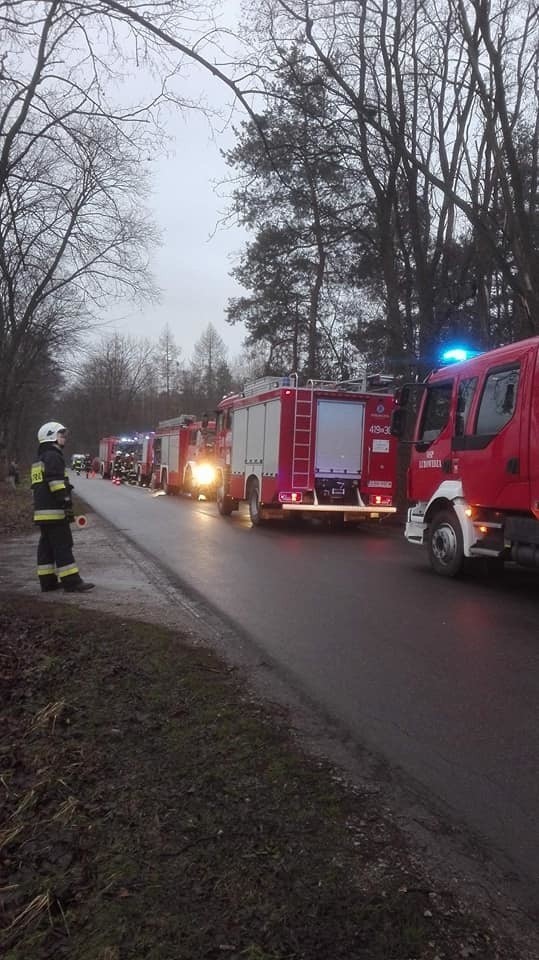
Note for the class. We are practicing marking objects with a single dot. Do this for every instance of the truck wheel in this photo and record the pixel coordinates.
(445, 544)
(254, 503)
(225, 504)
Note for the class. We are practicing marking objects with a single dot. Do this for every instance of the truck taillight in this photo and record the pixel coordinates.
(290, 496)
(375, 500)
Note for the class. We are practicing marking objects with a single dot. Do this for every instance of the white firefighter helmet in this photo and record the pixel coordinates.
(49, 431)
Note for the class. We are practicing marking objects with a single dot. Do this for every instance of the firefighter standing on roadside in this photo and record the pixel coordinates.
(53, 512)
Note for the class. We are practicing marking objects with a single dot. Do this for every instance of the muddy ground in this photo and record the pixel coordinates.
(165, 796)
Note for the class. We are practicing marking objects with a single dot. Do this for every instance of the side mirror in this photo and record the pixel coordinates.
(398, 422)
(402, 396)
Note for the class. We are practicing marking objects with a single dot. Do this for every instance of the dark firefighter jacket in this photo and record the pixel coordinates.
(50, 485)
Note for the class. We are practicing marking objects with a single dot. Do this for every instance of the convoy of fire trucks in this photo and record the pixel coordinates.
(289, 451)
(330, 449)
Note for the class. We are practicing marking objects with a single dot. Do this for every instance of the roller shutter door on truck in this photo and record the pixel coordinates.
(272, 430)
(239, 441)
(174, 452)
(255, 438)
(339, 438)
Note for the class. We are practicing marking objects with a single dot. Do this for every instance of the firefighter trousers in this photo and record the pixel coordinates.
(55, 556)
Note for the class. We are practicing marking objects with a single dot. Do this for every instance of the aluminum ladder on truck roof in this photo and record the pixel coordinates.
(348, 386)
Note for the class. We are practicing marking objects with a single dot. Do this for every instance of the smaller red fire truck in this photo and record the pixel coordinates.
(184, 456)
(324, 449)
(474, 468)
(111, 447)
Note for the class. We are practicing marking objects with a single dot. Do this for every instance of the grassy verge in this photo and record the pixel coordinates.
(150, 811)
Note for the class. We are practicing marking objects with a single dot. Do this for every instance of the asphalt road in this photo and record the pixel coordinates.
(441, 677)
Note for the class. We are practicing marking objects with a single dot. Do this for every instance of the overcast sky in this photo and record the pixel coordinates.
(192, 267)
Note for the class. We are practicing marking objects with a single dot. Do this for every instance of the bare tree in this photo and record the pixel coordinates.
(502, 42)
(109, 391)
(167, 359)
(210, 374)
(73, 232)
(73, 152)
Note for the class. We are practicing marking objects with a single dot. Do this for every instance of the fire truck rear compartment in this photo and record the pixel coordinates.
(338, 464)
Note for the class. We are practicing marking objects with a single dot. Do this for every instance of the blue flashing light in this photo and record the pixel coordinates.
(458, 354)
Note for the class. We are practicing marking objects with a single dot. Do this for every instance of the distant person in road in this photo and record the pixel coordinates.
(53, 512)
(88, 465)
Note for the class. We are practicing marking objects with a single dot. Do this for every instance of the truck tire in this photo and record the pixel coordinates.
(225, 504)
(445, 544)
(253, 497)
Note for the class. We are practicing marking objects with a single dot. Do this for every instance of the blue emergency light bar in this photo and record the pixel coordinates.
(458, 354)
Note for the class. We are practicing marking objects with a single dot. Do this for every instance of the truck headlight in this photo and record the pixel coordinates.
(204, 474)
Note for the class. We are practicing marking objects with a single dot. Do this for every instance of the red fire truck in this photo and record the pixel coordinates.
(112, 447)
(324, 449)
(184, 456)
(474, 470)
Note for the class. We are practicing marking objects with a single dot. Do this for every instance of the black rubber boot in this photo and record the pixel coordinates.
(49, 587)
(81, 587)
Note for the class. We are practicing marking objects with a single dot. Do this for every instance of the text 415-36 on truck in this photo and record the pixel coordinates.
(474, 468)
(324, 449)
